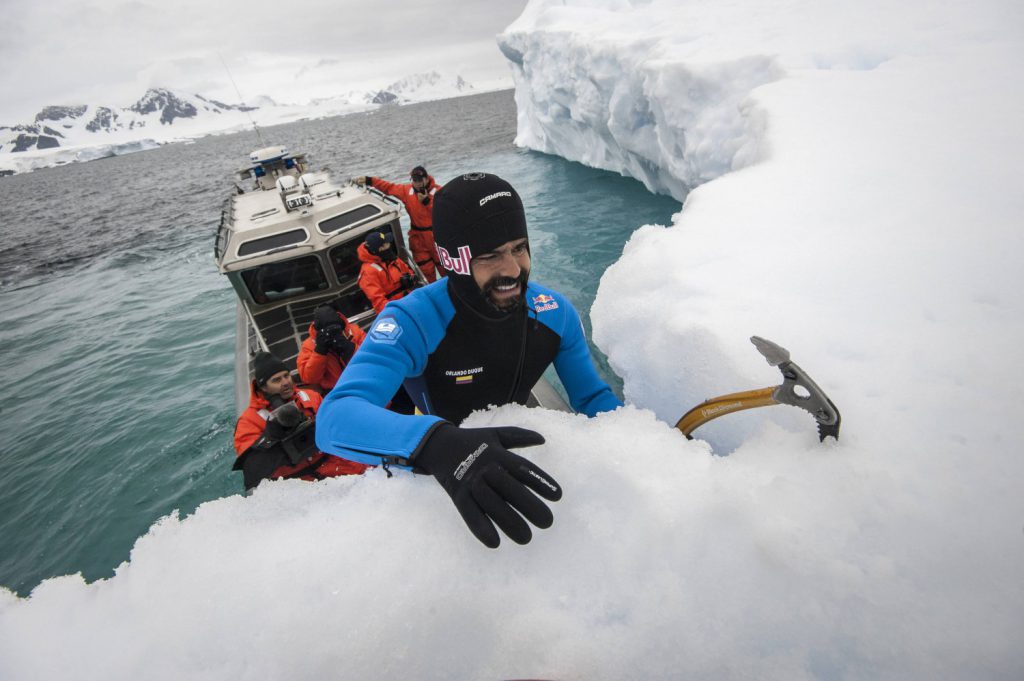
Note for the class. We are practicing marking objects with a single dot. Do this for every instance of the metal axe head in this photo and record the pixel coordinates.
(798, 390)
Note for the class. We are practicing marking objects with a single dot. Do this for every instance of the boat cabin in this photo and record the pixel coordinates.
(288, 244)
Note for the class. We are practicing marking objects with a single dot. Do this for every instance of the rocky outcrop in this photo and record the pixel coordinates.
(221, 106)
(24, 142)
(58, 113)
(384, 97)
(105, 119)
(166, 102)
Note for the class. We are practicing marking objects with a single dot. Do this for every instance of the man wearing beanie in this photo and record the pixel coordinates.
(274, 435)
(418, 198)
(482, 336)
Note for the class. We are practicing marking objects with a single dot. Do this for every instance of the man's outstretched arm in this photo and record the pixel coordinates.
(489, 484)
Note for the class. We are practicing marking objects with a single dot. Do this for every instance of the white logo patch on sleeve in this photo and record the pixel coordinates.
(386, 331)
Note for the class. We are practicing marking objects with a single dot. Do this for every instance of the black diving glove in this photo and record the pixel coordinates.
(487, 482)
(343, 346)
(321, 344)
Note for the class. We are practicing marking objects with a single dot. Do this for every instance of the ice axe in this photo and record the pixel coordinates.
(797, 390)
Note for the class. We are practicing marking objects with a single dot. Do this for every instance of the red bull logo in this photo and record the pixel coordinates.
(544, 302)
(459, 265)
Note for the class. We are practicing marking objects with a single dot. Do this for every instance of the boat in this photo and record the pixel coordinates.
(287, 244)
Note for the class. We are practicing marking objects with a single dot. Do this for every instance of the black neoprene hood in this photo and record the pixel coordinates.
(479, 211)
(475, 214)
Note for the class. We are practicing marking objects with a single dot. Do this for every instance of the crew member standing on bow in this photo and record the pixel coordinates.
(274, 435)
(418, 197)
(482, 336)
(383, 276)
(325, 353)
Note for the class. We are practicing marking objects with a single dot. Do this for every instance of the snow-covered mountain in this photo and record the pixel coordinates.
(81, 132)
(64, 126)
(420, 87)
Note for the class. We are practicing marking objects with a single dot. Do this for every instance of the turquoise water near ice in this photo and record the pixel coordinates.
(116, 331)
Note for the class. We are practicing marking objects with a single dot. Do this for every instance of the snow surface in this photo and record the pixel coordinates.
(863, 211)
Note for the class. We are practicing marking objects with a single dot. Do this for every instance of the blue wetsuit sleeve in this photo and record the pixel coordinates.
(588, 393)
(353, 422)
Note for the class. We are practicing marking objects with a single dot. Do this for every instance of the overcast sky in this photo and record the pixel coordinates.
(110, 51)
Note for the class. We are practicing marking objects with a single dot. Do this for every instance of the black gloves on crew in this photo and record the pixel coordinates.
(333, 340)
(487, 482)
(409, 282)
(344, 347)
(330, 334)
(327, 323)
(321, 344)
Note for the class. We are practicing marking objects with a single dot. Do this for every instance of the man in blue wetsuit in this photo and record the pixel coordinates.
(483, 336)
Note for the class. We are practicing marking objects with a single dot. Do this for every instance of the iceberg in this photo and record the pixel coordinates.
(107, 150)
(850, 177)
(33, 160)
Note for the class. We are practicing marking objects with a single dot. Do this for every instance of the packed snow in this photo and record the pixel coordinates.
(855, 169)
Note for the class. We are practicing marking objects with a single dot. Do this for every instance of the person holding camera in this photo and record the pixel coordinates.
(383, 276)
(327, 350)
(274, 435)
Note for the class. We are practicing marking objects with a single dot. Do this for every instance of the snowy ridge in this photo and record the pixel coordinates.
(422, 86)
(157, 112)
(62, 134)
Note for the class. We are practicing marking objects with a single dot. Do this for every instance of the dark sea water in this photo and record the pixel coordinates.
(116, 331)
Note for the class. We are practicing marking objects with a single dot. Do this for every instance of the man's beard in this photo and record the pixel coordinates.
(511, 304)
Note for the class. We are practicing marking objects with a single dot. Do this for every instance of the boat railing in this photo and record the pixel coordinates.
(221, 239)
(384, 197)
(282, 328)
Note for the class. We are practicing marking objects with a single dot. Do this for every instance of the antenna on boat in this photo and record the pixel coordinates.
(242, 101)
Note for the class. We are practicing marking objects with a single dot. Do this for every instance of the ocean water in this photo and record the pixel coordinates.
(116, 331)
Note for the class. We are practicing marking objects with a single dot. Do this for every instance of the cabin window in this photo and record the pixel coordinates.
(279, 280)
(267, 243)
(353, 302)
(339, 222)
(345, 260)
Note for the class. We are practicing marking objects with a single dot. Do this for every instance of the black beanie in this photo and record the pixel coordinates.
(418, 172)
(475, 214)
(265, 365)
(374, 241)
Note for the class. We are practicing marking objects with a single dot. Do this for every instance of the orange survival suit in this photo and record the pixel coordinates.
(324, 370)
(381, 281)
(275, 461)
(421, 215)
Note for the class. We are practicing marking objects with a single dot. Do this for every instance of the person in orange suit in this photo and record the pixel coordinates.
(418, 198)
(383, 276)
(274, 435)
(327, 350)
